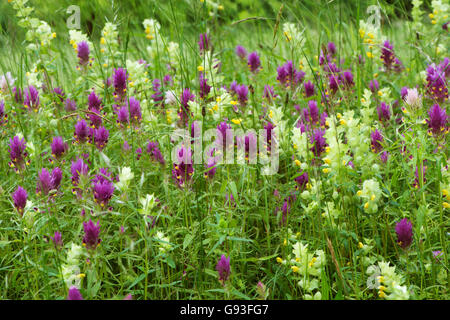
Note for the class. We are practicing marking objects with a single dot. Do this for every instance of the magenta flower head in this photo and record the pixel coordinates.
(17, 152)
(3, 115)
(59, 147)
(313, 112)
(242, 94)
(438, 120)
(101, 136)
(78, 168)
(31, 98)
(91, 238)
(74, 294)
(57, 240)
(44, 183)
(135, 110)
(183, 169)
(318, 142)
(20, 199)
(223, 131)
(83, 132)
(70, 105)
(347, 79)
(376, 140)
(18, 95)
(309, 89)
(103, 192)
(374, 86)
(331, 48)
(155, 153)
(384, 156)
(269, 93)
(210, 167)
(123, 117)
(241, 52)
(204, 87)
(384, 112)
(390, 61)
(83, 53)
(185, 112)
(301, 181)
(203, 44)
(223, 268)
(253, 62)
(94, 101)
(120, 83)
(436, 81)
(404, 233)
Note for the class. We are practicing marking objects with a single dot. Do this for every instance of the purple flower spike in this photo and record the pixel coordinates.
(20, 199)
(59, 147)
(101, 136)
(318, 142)
(78, 168)
(390, 61)
(204, 87)
(57, 240)
(31, 101)
(44, 183)
(309, 89)
(331, 48)
(103, 192)
(242, 94)
(94, 102)
(437, 122)
(253, 61)
(384, 156)
(376, 140)
(374, 86)
(83, 53)
(83, 132)
(404, 233)
(203, 44)
(269, 93)
(155, 153)
(223, 268)
(135, 111)
(183, 170)
(436, 81)
(74, 294)
(384, 112)
(120, 83)
(17, 152)
(70, 105)
(222, 129)
(301, 181)
(241, 52)
(185, 111)
(91, 238)
(56, 177)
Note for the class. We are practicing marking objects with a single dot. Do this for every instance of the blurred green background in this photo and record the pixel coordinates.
(131, 13)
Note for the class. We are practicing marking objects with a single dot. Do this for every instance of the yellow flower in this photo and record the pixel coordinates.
(279, 260)
(200, 68)
(369, 54)
(360, 245)
(294, 269)
(236, 121)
